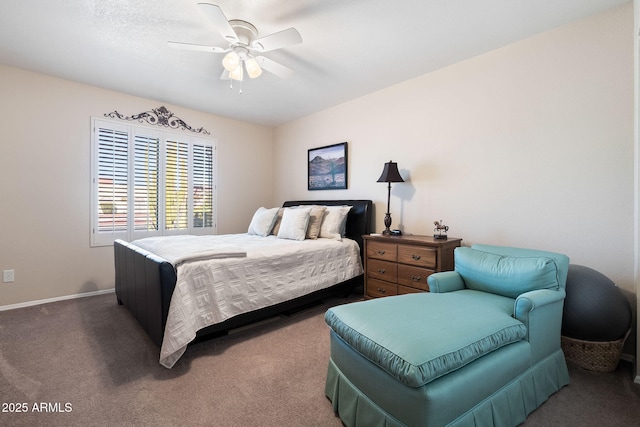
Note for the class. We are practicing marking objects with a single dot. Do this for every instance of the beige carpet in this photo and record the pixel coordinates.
(86, 362)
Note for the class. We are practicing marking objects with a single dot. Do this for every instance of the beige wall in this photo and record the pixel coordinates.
(530, 145)
(45, 181)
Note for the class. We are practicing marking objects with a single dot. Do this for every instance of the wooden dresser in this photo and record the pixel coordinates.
(397, 265)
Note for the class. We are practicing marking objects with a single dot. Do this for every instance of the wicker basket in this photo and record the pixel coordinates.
(594, 355)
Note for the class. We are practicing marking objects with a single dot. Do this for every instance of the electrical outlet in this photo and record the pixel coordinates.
(8, 276)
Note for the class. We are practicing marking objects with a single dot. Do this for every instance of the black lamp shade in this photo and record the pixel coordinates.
(390, 173)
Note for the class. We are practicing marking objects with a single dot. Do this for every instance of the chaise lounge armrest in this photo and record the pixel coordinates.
(532, 300)
(541, 313)
(446, 281)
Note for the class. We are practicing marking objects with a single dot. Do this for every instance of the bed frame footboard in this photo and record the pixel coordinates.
(144, 284)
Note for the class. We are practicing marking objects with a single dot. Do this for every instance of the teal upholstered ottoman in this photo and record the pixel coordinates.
(418, 338)
(392, 347)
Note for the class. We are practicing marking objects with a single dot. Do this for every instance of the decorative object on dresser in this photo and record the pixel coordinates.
(389, 174)
(401, 264)
(440, 232)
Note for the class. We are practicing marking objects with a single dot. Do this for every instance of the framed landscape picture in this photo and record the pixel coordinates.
(327, 167)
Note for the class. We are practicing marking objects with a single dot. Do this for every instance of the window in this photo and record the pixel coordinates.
(149, 183)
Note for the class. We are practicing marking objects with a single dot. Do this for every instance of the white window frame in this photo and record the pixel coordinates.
(107, 238)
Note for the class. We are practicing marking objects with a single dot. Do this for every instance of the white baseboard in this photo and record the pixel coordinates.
(48, 300)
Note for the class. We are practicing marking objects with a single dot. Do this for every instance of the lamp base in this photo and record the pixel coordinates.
(387, 224)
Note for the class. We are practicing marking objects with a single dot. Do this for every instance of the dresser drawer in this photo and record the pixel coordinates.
(385, 251)
(415, 277)
(378, 288)
(383, 270)
(414, 255)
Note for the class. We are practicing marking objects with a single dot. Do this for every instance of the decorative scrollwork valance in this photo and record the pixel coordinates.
(159, 116)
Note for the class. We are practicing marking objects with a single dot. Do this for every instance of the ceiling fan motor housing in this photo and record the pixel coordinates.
(245, 31)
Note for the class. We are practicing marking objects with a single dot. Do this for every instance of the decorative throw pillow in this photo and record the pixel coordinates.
(315, 220)
(262, 221)
(276, 226)
(335, 222)
(294, 223)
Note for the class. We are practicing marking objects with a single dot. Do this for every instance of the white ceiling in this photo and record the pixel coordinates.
(350, 48)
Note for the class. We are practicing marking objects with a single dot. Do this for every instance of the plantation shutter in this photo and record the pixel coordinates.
(202, 188)
(112, 182)
(146, 181)
(176, 185)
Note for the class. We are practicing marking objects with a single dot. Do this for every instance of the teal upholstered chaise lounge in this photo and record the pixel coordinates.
(481, 349)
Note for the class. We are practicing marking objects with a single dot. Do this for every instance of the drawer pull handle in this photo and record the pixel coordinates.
(416, 257)
(382, 270)
(381, 252)
(416, 278)
(382, 290)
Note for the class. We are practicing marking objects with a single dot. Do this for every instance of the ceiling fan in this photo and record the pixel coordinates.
(244, 46)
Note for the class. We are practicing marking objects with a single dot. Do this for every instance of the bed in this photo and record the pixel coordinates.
(147, 276)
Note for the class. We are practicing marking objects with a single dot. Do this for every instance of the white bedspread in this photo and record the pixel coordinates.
(274, 270)
(183, 248)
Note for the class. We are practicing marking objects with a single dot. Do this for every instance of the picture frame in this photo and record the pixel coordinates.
(327, 167)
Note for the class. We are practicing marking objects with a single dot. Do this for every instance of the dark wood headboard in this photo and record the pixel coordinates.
(358, 220)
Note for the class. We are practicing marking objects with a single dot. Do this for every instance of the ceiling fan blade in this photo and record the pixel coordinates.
(197, 47)
(219, 21)
(277, 40)
(274, 67)
(225, 75)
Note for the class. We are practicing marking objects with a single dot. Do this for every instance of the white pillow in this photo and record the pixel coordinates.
(335, 222)
(294, 224)
(262, 221)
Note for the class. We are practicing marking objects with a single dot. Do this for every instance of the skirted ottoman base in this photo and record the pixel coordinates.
(494, 390)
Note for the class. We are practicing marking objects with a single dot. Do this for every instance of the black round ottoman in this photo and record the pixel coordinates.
(596, 320)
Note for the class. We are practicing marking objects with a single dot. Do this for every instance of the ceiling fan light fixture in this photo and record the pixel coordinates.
(231, 61)
(237, 73)
(253, 69)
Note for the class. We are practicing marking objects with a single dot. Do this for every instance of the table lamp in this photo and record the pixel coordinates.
(389, 174)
